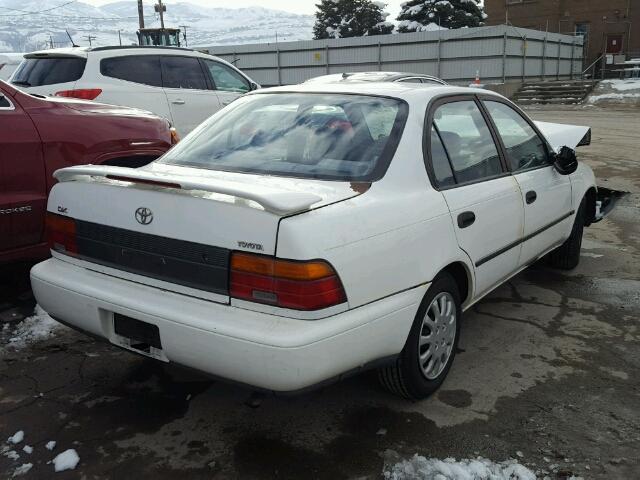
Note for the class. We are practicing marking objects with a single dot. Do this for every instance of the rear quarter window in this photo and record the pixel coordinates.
(35, 72)
(143, 69)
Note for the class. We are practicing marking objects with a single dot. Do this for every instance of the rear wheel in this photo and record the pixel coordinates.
(431, 346)
(567, 255)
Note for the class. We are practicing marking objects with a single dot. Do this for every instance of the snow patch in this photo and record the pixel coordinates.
(421, 468)
(51, 444)
(27, 449)
(22, 469)
(67, 460)
(623, 85)
(38, 327)
(16, 437)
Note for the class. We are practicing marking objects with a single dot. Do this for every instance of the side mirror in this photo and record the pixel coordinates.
(254, 86)
(565, 161)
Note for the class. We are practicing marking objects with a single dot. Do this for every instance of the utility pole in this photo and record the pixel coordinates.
(50, 41)
(90, 38)
(140, 14)
(119, 37)
(184, 35)
(160, 8)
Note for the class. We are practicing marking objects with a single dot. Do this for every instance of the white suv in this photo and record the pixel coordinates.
(179, 84)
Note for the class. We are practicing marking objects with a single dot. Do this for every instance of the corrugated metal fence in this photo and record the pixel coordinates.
(501, 54)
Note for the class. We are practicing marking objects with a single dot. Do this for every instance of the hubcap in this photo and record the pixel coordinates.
(437, 334)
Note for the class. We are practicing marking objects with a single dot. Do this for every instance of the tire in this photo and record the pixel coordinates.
(407, 376)
(567, 255)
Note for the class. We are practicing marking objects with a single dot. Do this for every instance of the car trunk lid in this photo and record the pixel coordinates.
(178, 225)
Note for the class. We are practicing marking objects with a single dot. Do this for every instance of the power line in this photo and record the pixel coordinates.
(30, 12)
(76, 17)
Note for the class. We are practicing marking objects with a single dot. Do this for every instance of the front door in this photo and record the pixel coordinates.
(190, 99)
(23, 195)
(546, 194)
(483, 198)
(614, 44)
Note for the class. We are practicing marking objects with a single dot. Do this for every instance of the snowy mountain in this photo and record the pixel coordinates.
(27, 25)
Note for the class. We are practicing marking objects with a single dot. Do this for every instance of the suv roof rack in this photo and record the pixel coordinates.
(124, 47)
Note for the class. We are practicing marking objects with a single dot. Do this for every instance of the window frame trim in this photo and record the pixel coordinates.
(548, 149)
(433, 105)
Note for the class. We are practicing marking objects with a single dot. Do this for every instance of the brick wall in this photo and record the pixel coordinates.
(603, 19)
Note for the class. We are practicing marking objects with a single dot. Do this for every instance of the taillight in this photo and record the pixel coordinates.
(81, 93)
(308, 285)
(61, 233)
(175, 138)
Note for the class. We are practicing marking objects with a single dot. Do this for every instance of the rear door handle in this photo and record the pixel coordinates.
(178, 102)
(466, 219)
(531, 197)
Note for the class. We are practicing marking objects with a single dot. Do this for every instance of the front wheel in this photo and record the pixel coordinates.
(431, 346)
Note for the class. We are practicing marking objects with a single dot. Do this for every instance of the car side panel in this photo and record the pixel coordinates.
(380, 242)
(122, 92)
(23, 196)
(581, 180)
(70, 137)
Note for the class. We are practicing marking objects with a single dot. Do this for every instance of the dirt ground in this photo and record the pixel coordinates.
(547, 374)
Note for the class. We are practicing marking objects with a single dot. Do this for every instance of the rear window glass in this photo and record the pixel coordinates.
(144, 69)
(335, 137)
(35, 72)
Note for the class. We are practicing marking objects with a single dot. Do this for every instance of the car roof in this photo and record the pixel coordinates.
(59, 52)
(404, 91)
(117, 50)
(375, 76)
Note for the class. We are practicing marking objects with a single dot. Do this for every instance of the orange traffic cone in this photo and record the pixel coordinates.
(477, 80)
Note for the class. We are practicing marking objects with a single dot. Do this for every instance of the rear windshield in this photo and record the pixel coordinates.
(321, 136)
(35, 72)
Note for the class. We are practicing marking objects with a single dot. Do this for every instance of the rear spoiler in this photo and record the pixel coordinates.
(560, 134)
(275, 200)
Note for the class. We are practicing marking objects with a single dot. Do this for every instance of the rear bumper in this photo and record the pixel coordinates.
(258, 349)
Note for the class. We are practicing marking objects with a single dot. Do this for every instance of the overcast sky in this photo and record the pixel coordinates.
(295, 6)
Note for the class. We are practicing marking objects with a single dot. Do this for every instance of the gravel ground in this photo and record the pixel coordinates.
(547, 375)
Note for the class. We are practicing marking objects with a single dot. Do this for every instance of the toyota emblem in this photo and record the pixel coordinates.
(144, 216)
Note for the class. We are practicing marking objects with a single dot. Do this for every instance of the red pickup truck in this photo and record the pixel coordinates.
(39, 135)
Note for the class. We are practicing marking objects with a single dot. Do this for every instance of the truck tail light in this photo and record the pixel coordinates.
(61, 233)
(81, 93)
(307, 285)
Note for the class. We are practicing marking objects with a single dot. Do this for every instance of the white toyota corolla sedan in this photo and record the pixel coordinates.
(304, 233)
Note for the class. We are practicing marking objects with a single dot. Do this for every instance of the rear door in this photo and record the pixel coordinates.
(131, 80)
(190, 99)
(484, 199)
(22, 178)
(546, 194)
(229, 83)
(46, 74)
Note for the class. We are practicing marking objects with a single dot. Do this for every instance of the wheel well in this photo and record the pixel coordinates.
(590, 206)
(459, 272)
(131, 162)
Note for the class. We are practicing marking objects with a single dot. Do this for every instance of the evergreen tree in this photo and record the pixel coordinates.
(418, 15)
(350, 18)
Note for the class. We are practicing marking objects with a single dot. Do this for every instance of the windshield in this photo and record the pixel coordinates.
(321, 136)
(36, 72)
